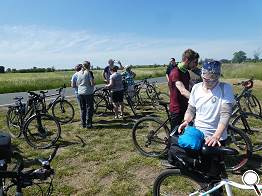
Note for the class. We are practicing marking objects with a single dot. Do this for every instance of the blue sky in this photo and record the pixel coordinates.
(62, 33)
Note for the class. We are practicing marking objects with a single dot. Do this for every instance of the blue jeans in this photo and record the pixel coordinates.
(87, 109)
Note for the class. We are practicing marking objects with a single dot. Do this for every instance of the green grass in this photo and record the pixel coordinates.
(22, 82)
(106, 165)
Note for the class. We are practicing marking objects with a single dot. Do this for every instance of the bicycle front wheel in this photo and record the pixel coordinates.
(13, 122)
(175, 182)
(42, 131)
(254, 105)
(63, 111)
(251, 124)
(100, 104)
(150, 136)
(238, 140)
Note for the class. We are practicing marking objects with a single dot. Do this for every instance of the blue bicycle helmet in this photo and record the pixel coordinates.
(211, 67)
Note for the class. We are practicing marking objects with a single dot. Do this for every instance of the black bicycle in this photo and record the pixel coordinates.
(249, 101)
(248, 122)
(40, 130)
(150, 136)
(62, 109)
(190, 176)
(21, 178)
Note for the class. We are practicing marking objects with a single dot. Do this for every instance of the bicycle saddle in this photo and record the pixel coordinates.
(216, 150)
(43, 92)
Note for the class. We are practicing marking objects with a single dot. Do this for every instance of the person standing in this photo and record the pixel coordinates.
(128, 77)
(172, 64)
(107, 73)
(78, 68)
(117, 91)
(86, 83)
(179, 79)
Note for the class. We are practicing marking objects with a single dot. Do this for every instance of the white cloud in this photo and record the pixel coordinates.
(28, 46)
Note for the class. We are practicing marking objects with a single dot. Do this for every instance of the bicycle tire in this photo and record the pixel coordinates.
(160, 97)
(254, 131)
(145, 140)
(254, 105)
(100, 105)
(42, 138)
(238, 140)
(13, 122)
(63, 111)
(176, 182)
(151, 91)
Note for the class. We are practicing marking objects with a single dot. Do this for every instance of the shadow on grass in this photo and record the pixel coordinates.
(64, 143)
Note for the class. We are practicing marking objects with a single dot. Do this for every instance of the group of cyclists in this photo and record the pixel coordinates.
(83, 82)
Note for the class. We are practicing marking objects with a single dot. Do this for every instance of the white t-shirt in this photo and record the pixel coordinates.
(208, 105)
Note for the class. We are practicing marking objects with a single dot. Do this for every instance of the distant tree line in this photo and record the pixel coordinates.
(238, 57)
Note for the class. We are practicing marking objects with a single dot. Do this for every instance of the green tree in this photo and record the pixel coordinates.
(239, 57)
(257, 54)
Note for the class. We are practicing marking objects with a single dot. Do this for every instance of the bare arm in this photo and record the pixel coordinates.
(180, 86)
(110, 84)
(189, 116)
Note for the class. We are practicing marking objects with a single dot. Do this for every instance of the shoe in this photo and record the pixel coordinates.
(121, 115)
(116, 117)
(83, 126)
(167, 164)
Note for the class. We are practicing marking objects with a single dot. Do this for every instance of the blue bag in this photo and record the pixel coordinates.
(192, 138)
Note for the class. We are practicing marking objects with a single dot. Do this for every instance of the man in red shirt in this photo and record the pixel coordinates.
(179, 86)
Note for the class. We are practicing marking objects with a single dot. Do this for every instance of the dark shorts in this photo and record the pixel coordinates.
(117, 96)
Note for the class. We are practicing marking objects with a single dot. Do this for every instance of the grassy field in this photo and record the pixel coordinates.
(22, 82)
(106, 163)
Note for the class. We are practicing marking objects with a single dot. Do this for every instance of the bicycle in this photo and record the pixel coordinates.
(103, 102)
(150, 136)
(40, 130)
(62, 109)
(22, 179)
(247, 98)
(188, 179)
(248, 122)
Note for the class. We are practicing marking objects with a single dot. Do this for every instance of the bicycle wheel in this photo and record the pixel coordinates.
(13, 122)
(238, 140)
(160, 97)
(251, 124)
(175, 182)
(100, 105)
(151, 91)
(254, 105)
(63, 111)
(42, 131)
(149, 137)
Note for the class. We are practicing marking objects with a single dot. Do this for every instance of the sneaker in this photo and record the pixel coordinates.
(116, 117)
(89, 126)
(167, 164)
(83, 126)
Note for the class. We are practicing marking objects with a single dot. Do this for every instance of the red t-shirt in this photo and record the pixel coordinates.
(178, 103)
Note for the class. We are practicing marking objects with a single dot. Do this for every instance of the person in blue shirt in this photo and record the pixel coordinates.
(128, 77)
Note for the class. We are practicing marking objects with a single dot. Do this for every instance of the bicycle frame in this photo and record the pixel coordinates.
(59, 96)
(228, 186)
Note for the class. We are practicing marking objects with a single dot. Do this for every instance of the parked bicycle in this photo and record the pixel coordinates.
(150, 136)
(62, 109)
(248, 122)
(103, 102)
(40, 130)
(186, 178)
(21, 178)
(248, 100)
